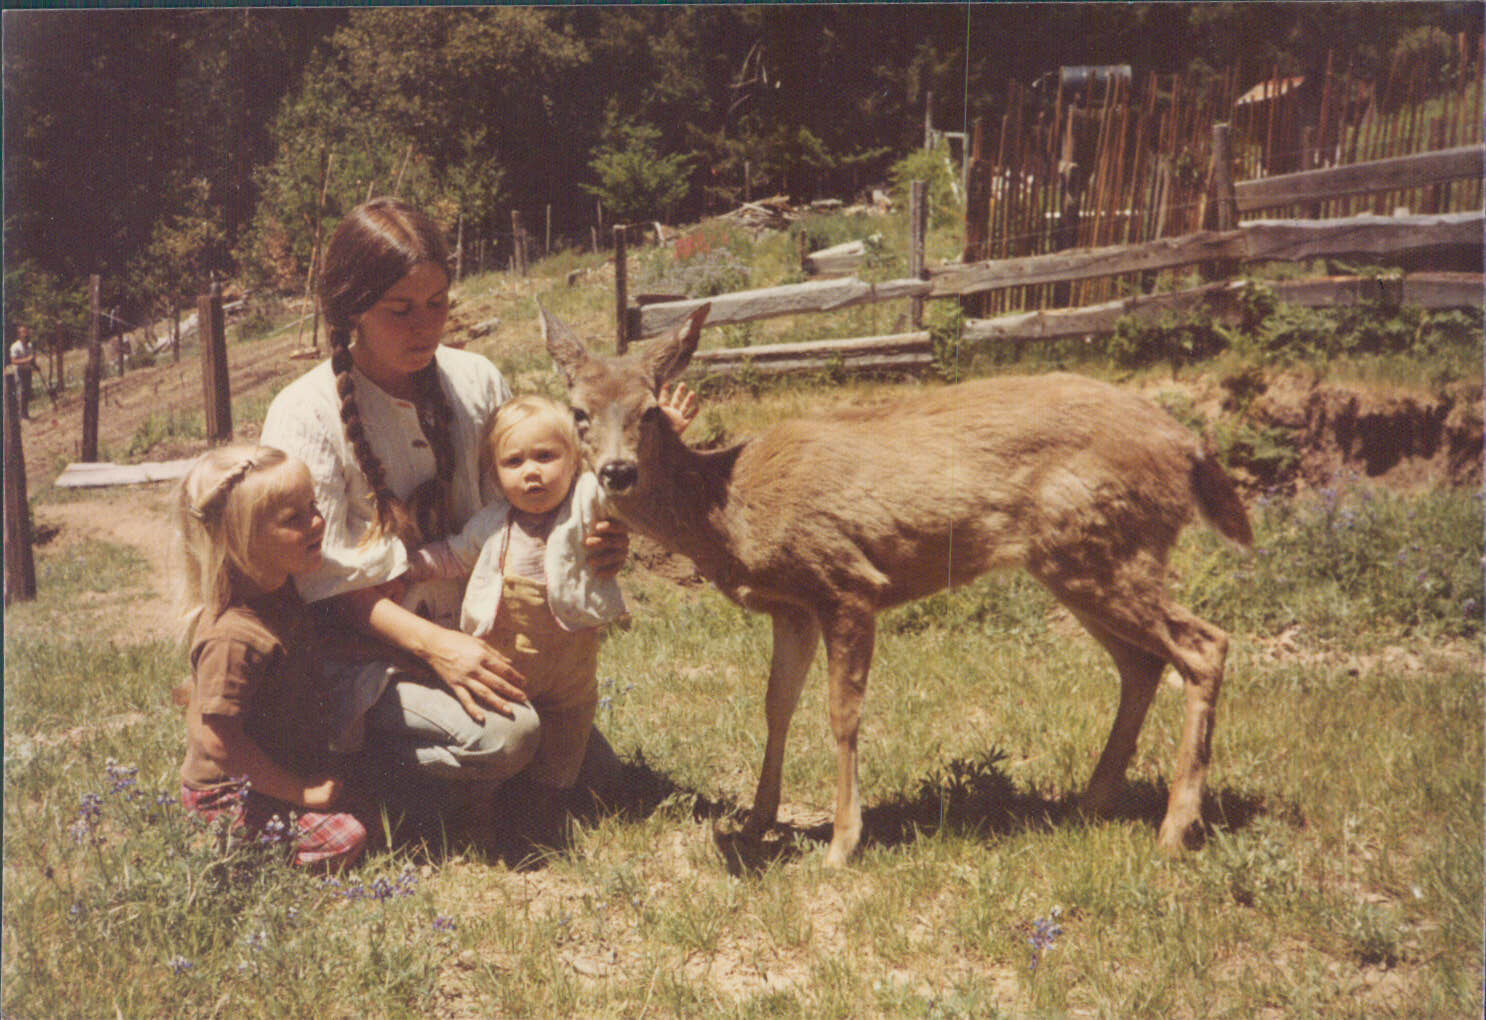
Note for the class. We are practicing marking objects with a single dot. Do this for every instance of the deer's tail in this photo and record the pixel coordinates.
(1218, 500)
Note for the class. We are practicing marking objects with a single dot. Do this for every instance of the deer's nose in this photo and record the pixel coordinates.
(619, 475)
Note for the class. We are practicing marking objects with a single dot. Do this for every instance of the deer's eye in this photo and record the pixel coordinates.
(580, 418)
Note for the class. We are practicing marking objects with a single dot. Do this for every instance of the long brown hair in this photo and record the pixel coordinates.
(376, 245)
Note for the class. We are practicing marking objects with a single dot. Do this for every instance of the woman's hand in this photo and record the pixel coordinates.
(476, 673)
(608, 546)
(680, 405)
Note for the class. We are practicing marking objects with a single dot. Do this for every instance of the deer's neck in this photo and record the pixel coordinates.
(682, 503)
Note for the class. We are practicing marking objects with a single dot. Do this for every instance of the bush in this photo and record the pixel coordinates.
(946, 205)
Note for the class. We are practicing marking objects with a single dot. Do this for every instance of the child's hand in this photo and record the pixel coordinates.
(680, 405)
(323, 794)
(434, 561)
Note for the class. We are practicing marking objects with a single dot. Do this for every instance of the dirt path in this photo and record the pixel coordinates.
(133, 516)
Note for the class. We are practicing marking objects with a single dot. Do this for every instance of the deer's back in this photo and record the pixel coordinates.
(947, 484)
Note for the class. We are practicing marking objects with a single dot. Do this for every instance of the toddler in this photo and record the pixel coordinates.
(531, 594)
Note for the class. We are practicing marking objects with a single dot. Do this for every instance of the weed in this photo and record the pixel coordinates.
(169, 426)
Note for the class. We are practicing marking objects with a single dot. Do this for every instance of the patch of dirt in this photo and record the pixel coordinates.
(133, 516)
(1317, 431)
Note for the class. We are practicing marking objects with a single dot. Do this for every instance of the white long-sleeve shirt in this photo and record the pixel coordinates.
(304, 421)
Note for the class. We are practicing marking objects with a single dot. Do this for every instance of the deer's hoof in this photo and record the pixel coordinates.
(1176, 837)
(838, 855)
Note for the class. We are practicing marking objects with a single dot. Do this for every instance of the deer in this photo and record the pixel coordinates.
(822, 522)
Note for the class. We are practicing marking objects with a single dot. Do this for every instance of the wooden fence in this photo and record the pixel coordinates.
(1112, 159)
(1415, 239)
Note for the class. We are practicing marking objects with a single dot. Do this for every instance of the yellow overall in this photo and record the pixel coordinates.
(561, 670)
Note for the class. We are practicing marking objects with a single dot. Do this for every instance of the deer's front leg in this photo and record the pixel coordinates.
(849, 639)
(796, 635)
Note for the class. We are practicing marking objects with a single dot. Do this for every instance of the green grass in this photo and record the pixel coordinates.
(1342, 875)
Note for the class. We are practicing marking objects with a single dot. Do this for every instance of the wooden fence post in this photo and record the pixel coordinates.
(216, 386)
(20, 566)
(1223, 202)
(117, 329)
(621, 297)
(918, 208)
(91, 374)
(977, 213)
(459, 249)
(518, 244)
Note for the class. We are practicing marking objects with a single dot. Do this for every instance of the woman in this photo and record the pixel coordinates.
(390, 427)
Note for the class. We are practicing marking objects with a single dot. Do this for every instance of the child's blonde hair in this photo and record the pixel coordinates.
(519, 409)
(220, 506)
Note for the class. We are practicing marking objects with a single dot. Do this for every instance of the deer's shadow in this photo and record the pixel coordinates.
(975, 798)
(969, 797)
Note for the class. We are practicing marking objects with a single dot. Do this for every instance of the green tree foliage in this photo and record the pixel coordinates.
(156, 146)
(635, 181)
(113, 119)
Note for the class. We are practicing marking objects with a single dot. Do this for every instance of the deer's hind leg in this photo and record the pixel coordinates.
(796, 635)
(1140, 673)
(1127, 610)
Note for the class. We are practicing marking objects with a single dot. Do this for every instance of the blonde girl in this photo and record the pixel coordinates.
(256, 743)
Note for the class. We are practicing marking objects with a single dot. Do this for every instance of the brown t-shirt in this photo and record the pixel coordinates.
(257, 661)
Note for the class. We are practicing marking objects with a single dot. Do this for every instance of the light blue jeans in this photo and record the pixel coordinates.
(428, 729)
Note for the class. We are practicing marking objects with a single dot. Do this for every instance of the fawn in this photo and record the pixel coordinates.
(823, 522)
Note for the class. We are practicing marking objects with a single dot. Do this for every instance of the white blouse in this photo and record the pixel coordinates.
(304, 421)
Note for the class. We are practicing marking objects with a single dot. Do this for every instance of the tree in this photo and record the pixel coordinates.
(635, 181)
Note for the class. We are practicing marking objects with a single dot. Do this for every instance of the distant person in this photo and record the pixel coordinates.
(23, 358)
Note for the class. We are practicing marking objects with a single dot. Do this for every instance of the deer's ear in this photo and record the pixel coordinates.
(566, 349)
(666, 359)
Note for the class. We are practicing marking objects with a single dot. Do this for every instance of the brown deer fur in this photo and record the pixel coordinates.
(823, 522)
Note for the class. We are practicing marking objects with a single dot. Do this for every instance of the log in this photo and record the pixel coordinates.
(1421, 290)
(867, 362)
(1093, 320)
(1427, 290)
(895, 343)
(1087, 263)
(1256, 240)
(1400, 173)
(836, 260)
(1368, 234)
(791, 299)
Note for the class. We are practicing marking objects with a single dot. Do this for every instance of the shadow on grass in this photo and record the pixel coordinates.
(976, 798)
(968, 797)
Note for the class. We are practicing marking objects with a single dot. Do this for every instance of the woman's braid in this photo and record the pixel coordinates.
(392, 517)
(430, 502)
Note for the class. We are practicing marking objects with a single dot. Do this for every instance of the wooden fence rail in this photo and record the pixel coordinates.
(1258, 240)
(1221, 299)
(1401, 173)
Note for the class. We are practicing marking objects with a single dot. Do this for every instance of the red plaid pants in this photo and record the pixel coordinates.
(330, 841)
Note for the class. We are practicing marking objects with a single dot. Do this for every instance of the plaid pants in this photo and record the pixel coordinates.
(330, 841)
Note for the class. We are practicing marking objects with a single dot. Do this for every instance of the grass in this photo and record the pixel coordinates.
(1342, 875)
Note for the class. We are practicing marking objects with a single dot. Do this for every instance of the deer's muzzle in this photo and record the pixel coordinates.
(619, 476)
